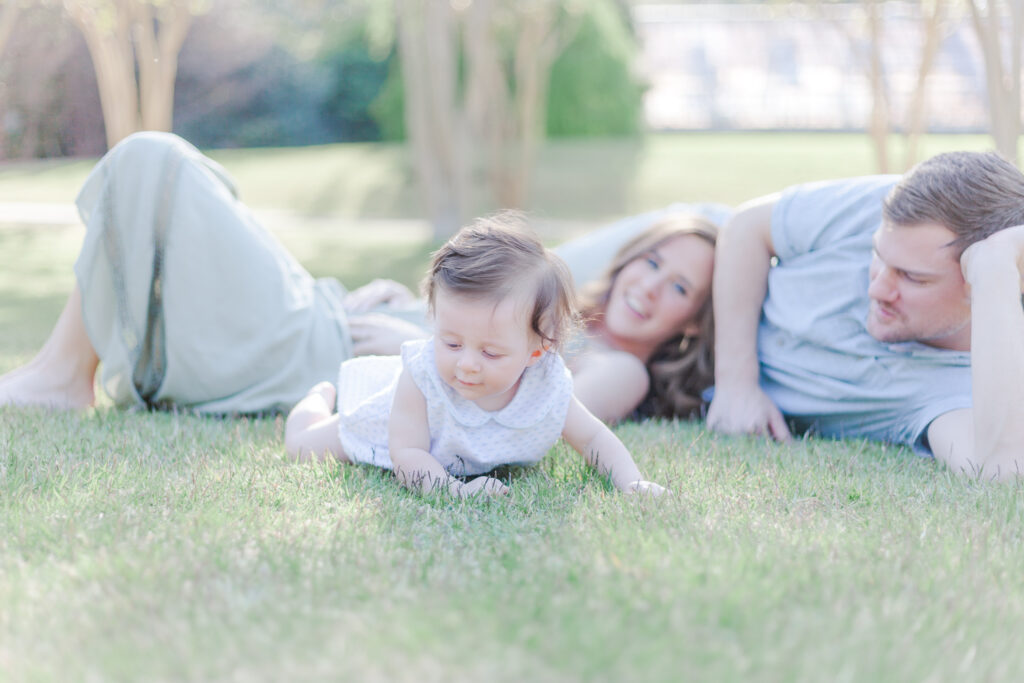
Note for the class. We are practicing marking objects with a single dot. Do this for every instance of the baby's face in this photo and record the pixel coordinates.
(483, 347)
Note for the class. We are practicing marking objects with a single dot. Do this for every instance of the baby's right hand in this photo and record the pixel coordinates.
(487, 485)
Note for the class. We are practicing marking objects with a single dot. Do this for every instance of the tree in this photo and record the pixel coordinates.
(134, 45)
(476, 76)
(935, 28)
(998, 25)
(8, 18)
(931, 16)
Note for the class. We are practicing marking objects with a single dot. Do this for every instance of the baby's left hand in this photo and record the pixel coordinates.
(486, 485)
(646, 488)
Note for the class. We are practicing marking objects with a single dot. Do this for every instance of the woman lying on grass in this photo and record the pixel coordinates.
(189, 302)
(489, 388)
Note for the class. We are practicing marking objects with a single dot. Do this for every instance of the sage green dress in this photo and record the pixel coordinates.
(187, 300)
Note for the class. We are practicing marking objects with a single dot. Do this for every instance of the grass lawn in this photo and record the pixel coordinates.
(575, 180)
(149, 547)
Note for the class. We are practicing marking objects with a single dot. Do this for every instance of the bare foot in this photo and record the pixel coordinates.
(35, 385)
(327, 392)
(61, 375)
(308, 430)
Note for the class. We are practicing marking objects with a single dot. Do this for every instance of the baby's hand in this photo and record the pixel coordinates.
(645, 488)
(487, 485)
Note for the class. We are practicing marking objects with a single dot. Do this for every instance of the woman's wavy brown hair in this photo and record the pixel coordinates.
(682, 366)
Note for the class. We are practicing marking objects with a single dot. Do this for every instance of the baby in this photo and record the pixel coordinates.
(488, 389)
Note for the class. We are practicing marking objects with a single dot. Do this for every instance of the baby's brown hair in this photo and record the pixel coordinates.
(494, 256)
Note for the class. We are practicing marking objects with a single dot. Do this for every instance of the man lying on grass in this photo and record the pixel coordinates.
(864, 327)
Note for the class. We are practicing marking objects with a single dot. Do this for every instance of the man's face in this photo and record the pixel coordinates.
(916, 288)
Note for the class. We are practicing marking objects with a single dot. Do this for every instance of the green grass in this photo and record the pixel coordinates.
(138, 546)
(574, 180)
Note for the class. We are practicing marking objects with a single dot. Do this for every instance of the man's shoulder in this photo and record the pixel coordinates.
(827, 212)
(842, 189)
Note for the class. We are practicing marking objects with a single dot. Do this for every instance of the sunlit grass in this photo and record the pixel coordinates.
(589, 180)
(175, 547)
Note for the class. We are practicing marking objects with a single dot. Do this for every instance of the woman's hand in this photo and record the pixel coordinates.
(379, 334)
(378, 293)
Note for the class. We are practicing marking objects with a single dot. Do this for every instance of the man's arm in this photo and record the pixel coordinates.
(742, 259)
(991, 442)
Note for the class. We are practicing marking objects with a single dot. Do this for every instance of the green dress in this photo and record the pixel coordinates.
(187, 300)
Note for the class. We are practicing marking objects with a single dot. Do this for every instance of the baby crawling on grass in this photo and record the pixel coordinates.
(488, 389)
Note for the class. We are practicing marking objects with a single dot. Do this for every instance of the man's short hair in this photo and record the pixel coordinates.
(973, 194)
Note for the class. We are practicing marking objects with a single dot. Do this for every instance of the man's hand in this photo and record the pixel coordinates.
(380, 334)
(747, 411)
(486, 485)
(989, 443)
(378, 293)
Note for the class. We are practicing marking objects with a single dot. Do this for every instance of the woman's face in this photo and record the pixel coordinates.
(659, 294)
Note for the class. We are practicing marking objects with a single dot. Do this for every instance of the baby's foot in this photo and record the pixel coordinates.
(316, 405)
(326, 391)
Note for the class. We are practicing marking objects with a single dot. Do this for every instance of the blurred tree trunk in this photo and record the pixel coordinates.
(508, 94)
(134, 45)
(476, 79)
(879, 125)
(935, 30)
(8, 18)
(871, 50)
(998, 25)
(435, 115)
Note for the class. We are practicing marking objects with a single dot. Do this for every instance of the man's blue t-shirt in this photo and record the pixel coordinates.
(818, 362)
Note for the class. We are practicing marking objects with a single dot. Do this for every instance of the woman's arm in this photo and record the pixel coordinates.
(409, 444)
(610, 384)
(603, 451)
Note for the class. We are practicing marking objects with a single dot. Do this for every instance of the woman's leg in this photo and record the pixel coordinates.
(62, 374)
(311, 429)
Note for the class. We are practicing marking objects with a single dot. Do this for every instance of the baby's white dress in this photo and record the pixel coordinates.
(464, 438)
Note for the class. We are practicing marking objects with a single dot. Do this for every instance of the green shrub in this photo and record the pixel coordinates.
(593, 91)
(356, 77)
(388, 108)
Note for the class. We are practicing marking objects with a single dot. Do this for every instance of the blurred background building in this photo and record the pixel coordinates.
(797, 66)
(276, 72)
